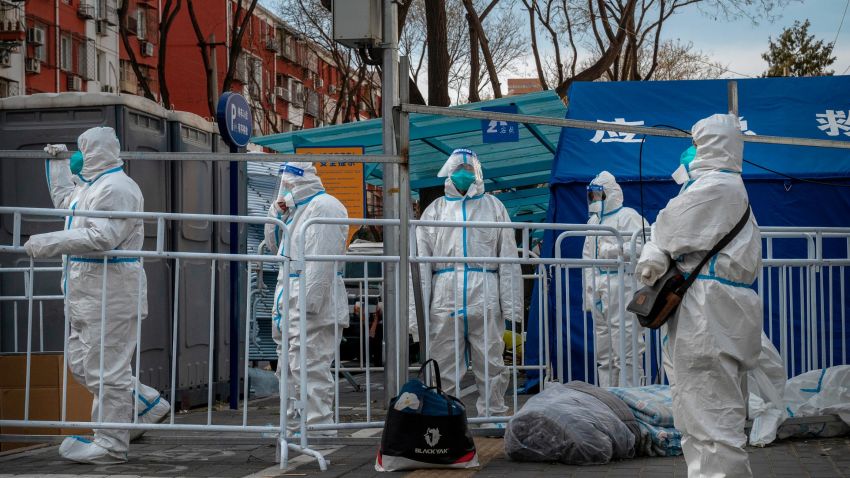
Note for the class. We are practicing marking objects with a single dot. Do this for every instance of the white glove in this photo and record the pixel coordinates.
(30, 248)
(648, 275)
(54, 149)
(652, 264)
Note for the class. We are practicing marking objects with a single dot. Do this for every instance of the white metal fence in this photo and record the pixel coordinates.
(804, 295)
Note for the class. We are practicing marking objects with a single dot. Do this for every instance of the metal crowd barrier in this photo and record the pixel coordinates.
(796, 290)
(160, 252)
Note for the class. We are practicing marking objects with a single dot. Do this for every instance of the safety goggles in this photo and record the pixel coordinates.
(595, 192)
(465, 167)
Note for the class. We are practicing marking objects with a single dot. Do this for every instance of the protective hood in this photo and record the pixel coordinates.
(301, 179)
(100, 148)
(613, 192)
(457, 158)
(719, 144)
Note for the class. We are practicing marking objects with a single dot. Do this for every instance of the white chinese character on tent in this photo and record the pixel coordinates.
(614, 136)
(833, 122)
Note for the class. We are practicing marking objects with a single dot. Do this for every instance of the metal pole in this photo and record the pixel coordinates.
(389, 99)
(405, 210)
(234, 285)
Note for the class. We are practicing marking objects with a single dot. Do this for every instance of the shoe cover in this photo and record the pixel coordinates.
(83, 450)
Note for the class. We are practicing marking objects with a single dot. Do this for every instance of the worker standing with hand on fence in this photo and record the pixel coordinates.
(302, 197)
(93, 180)
(714, 336)
(463, 294)
(602, 286)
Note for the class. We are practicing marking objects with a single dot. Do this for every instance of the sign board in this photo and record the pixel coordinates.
(495, 131)
(342, 180)
(235, 122)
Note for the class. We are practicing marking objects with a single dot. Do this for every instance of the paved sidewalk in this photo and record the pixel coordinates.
(796, 458)
(162, 454)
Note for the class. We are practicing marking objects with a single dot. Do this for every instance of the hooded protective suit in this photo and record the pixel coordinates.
(714, 337)
(602, 287)
(101, 186)
(327, 301)
(459, 292)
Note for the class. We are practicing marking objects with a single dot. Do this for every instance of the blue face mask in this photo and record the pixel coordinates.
(463, 179)
(687, 157)
(77, 162)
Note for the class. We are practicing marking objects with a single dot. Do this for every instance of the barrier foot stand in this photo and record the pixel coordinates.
(323, 464)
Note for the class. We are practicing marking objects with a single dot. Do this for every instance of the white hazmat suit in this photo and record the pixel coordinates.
(714, 336)
(460, 324)
(602, 287)
(101, 186)
(327, 301)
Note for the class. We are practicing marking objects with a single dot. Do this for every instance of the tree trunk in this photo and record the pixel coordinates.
(438, 53)
(485, 48)
(134, 62)
(168, 17)
(540, 74)
(205, 56)
(237, 32)
(474, 61)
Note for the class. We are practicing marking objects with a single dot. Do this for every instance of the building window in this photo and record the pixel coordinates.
(101, 66)
(142, 23)
(65, 52)
(9, 88)
(82, 56)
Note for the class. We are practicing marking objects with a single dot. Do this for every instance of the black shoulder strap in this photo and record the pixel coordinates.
(717, 248)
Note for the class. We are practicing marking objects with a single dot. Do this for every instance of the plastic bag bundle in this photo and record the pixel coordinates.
(566, 425)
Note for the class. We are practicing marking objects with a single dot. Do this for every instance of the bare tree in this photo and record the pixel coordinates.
(313, 23)
(438, 52)
(170, 9)
(241, 20)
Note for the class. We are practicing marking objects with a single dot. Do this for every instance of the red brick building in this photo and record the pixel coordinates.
(77, 45)
(521, 86)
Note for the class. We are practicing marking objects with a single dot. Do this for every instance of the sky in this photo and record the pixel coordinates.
(738, 44)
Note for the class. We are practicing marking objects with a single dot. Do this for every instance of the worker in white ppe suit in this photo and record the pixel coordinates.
(101, 185)
(469, 303)
(714, 336)
(602, 284)
(302, 197)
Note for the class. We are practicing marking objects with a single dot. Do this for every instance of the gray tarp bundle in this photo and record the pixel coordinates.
(576, 424)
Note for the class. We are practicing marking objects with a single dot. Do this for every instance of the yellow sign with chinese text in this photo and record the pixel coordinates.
(342, 180)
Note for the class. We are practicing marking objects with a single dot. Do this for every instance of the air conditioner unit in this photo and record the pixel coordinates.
(75, 83)
(272, 44)
(5, 58)
(146, 48)
(281, 92)
(85, 10)
(332, 89)
(32, 65)
(35, 36)
(101, 27)
(272, 98)
(319, 82)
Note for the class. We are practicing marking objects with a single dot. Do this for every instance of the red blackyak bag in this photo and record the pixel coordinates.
(426, 428)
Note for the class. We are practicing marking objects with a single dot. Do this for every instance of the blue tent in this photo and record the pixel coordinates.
(794, 107)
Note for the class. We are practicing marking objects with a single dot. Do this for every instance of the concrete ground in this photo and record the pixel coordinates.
(161, 454)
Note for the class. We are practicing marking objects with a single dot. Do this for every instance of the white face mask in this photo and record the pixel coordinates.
(595, 207)
(680, 175)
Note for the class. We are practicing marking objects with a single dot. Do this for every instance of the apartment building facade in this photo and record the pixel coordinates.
(108, 46)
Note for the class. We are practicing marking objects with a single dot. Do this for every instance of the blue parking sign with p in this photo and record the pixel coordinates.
(497, 131)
